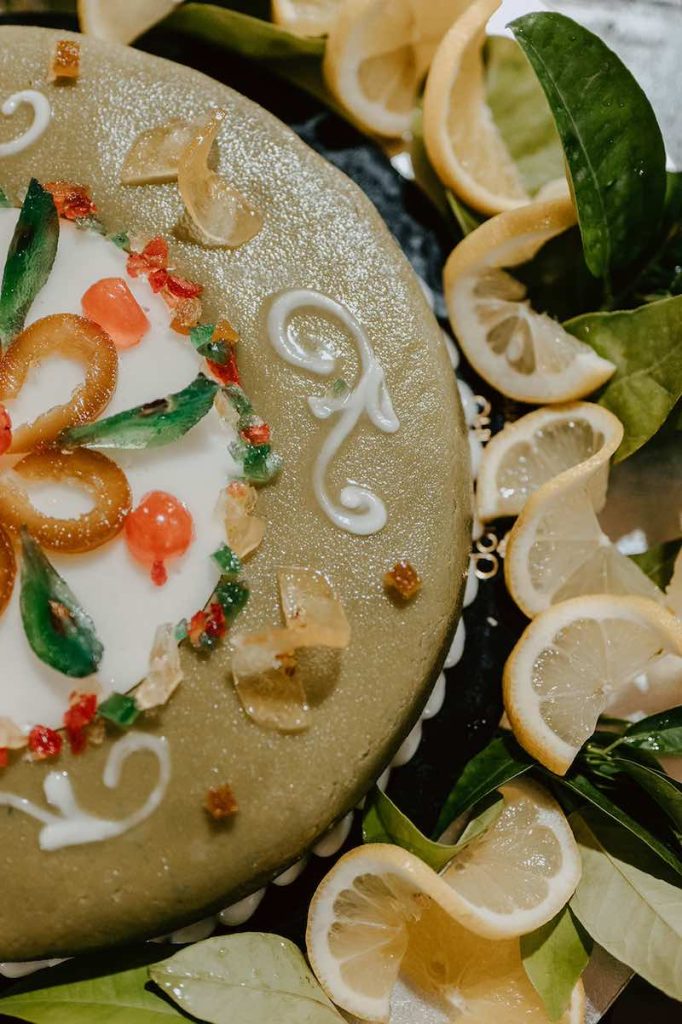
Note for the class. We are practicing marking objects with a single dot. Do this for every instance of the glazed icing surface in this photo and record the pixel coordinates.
(42, 113)
(114, 589)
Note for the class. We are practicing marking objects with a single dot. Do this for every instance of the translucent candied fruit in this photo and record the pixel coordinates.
(158, 530)
(312, 609)
(220, 802)
(403, 581)
(66, 61)
(111, 304)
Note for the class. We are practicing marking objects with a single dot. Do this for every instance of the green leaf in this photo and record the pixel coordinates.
(58, 629)
(500, 762)
(521, 113)
(659, 562)
(555, 957)
(646, 346)
(611, 139)
(653, 780)
(29, 260)
(4, 201)
(150, 425)
(467, 218)
(383, 822)
(659, 734)
(557, 279)
(628, 904)
(587, 792)
(245, 979)
(424, 174)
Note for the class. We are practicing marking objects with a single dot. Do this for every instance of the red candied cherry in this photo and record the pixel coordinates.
(160, 528)
(5, 430)
(111, 304)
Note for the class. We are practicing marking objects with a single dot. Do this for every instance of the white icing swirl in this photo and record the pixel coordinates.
(73, 826)
(42, 112)
(360, 510)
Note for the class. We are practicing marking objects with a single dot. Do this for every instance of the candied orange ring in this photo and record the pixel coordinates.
(8, 569)
(93, 473)
(72, 337)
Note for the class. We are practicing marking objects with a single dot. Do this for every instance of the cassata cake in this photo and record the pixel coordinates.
(234, 495)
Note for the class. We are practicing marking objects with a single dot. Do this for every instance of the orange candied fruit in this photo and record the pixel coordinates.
(186, 315)
(5, 430)
(111, 304)
(66, 60)
(153, 257)
(403, 581)
(73, 201)
(220, 802)
(159, 529)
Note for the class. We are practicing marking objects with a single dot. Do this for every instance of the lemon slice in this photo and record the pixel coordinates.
(525, 355)
(572, 660)
(121, 22)
(378, 54)
(368, 911)
(557, 549)
(306, 17)
(539, 446)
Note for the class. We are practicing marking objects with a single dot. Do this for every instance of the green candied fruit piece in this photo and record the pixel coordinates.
(120, 709)
(240, 400)
(29, 260)
(231, 596)
(57, 628)
(201, 335)
(229, 563)
(147, 426)
(121, 240)
(260, 463)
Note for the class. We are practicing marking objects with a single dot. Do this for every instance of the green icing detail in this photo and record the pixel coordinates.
(120, 709)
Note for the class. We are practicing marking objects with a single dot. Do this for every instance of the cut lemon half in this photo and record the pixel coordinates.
(571, 662)
(377, 54)
(306, 17)
(557, 548)
(119, 22)
(539, 446)
(525, 355)
(369, 910)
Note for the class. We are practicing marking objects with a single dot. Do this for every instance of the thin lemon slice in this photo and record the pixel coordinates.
(539, 446)
(461, 137)
(557, 549)
(306, 17)
(119, 22)
(377, 55)
(368, 911)
(572, 660)
(525, 355)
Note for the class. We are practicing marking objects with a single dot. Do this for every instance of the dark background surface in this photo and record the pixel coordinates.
(472, 706)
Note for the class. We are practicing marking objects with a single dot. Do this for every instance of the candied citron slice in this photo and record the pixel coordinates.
(266, 679)
(243, 529)
(218, 213)
(155, 154)
(8, 572)
(90, 471)
(311, 608)
(165, 670)
(72, 337)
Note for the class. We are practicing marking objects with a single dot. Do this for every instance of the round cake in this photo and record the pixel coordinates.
(234, 496)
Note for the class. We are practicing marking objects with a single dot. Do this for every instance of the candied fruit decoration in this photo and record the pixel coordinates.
(311, 609)
(66, 61)
(93, 473)
(267, 682)
(73, 201)
(8, 570)
(44, 742)
(5, 430)
(218, 215)
(74, 338)
(155, 154)
(257, 433)
(11, 736)
(153, 257)
(158, 530)
(120, 709)
(181, 288)
(186, 315)
(244, 530)
(81, 712)
(220, 802)
(111, 304)
(403, 581)
(207, 627)
(164, 674)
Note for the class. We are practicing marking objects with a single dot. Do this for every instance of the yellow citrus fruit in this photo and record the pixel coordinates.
(119, 22)
(306, 17)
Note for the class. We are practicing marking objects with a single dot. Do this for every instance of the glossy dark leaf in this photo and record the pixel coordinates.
(659, 734)
(659, 562)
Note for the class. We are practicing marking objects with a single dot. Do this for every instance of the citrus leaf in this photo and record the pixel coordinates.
(248, 978)
(467, 218)
(646, 346)
(659, 562)
(500, 762)
(628, 904)
(554, 957)
(653, 780)
(611, 139)
(659, 734)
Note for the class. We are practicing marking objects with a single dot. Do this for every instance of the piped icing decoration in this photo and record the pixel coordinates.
(42, 114)
(359, 510)
(65, 66)
(159, 530)
(111, 304)
(73, 826)
(402, 581)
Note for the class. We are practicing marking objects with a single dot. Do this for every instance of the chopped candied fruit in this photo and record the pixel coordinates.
(186, 315)
(66, 61)
(403, 581)
(5, 430)
(181, 288)
(111, 304)
(207, 626)
(153, 257)
(165, 671)
(44, 742)
(220, 802)
(73, 201)
(4, 757)
(82, 709)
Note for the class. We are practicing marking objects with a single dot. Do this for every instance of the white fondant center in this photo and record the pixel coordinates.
(42, 113)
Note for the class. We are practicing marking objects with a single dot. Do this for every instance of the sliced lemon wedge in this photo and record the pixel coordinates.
(377, 55)
(306, 17)
(119, 22)
(523, 354)
(571, 662)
